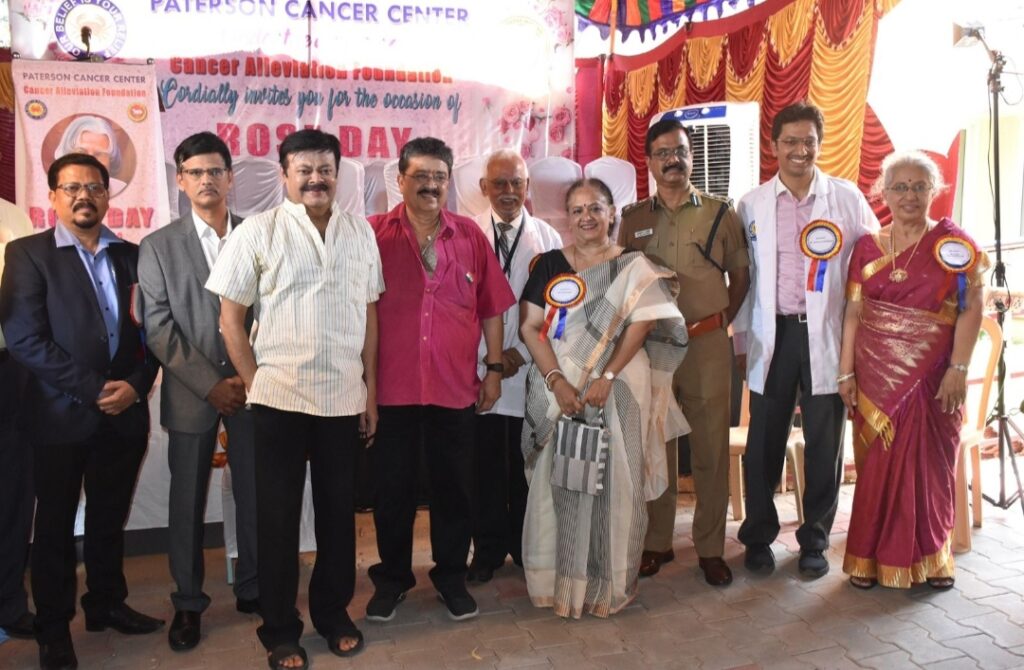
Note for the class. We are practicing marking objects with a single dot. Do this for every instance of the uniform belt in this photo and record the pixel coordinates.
(799, 318)
(705, 325)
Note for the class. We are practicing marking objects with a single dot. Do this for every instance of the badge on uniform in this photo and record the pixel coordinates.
(820, 240)
(646, 232)
(957, 258)
(752, 231)
(562, 292)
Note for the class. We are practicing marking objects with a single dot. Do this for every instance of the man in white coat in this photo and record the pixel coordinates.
(801, 226)
(500, 481)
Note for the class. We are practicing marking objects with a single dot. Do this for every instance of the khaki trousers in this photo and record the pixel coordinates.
(702, 385)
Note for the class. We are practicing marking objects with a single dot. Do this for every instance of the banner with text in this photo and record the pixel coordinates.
(478, 74)
(109, 111)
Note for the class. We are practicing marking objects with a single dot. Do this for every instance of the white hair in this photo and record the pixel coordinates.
(93, 124)
(899, 159)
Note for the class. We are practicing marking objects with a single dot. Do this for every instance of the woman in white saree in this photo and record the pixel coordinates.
(605, 335)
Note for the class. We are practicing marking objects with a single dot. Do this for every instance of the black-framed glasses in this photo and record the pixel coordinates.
(93, 188)
(197, 173)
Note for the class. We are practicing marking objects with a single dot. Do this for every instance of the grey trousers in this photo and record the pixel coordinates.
(189, 456)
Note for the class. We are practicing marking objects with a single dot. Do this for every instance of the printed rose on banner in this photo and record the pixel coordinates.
(556, 132)
(562, 116)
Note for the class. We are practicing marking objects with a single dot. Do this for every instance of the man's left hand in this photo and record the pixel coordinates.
(490, 391)
(116, 396)
(512, 360)
(368, 423)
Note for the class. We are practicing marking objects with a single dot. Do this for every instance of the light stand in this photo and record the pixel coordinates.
(962, 36)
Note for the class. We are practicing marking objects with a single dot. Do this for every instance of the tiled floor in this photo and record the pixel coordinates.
(677, 621)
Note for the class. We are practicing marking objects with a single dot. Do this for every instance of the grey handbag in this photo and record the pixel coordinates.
(581, 454)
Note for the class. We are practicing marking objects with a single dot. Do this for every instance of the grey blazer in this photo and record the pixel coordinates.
(182, 324)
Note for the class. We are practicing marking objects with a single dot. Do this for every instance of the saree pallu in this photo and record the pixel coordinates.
(581, 552)
(905, 447)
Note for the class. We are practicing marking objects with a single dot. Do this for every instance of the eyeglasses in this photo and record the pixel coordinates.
(903, 189)
(94, 189)
(424, 178)
(197, 173)
(503, 184)
(680, 152)
(794, 142)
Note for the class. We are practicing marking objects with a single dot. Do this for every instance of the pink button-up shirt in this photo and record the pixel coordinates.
(791, 216)
(430, 326)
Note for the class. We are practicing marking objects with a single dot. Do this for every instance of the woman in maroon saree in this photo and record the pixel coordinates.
(913, 314)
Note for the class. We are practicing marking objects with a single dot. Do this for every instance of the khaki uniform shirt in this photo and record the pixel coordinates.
(675, 239)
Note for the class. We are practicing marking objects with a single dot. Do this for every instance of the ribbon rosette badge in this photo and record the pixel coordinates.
(562, 292)
(820, 240)
(956, 257)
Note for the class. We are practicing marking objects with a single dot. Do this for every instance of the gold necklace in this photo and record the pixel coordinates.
(899, 275)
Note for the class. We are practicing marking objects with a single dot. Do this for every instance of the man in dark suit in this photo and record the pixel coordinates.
(200, 385)
(66, 312)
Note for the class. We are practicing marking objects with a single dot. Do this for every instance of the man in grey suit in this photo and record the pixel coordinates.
(200, 386)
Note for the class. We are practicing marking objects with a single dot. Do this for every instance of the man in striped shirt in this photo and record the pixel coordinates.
(313, 276)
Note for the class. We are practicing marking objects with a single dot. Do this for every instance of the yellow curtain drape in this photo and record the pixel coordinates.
(703, 58)
(640, 88)
(6, 87)
(787, 29)
(614, 131)
(839, 87)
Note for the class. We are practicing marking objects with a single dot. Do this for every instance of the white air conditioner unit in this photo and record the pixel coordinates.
(726, 146)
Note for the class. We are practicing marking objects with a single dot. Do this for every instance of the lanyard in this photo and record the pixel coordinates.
(507, 268)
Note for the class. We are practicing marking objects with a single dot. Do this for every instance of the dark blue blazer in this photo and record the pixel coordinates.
(53, 327)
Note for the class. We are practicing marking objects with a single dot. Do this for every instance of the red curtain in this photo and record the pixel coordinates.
(783, 84)
(839, 18)
(744, 45)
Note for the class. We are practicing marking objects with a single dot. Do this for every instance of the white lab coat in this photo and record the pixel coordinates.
(537, 238)
(837, 201)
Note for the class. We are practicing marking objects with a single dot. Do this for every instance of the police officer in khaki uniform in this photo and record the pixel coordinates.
(701, 238)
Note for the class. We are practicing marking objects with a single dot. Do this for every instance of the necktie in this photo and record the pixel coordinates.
(503, 229)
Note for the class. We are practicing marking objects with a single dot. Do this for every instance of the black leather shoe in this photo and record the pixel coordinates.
(247, 606)
(185, 631)
(759, 558)
(22, 627)
(479, 573)
(124, 620)
(813, 563)
(58, 655)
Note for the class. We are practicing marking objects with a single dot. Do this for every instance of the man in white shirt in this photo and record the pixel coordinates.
(787, 334)
(313, 276)
(501, 489)
(200, 386)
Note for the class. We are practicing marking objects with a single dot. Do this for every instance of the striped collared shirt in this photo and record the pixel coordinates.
(309, 298)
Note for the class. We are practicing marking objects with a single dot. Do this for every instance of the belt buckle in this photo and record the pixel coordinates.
(801, 318)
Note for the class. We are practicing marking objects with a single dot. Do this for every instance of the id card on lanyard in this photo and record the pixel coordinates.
(506, 260)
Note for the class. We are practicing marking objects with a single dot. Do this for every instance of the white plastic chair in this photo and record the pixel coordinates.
(351, 183)
(258, 186)
(375, 194)
(465, 184)
(550, 178)
(391, 184)
(620, 176)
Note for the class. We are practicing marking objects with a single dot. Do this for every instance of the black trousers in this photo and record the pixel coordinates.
(447, 437)
(282, 441)
(108, 462)
(823, 418)
(500, 488)
(16, 504)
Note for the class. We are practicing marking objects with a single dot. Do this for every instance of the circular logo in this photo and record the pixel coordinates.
(565, 290)
(94, 27)
(954, 255)
(821, 239)
(137, 112)
(36, 109)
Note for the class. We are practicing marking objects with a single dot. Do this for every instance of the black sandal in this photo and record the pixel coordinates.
(334, 642)
(283, 652)
(941, 583)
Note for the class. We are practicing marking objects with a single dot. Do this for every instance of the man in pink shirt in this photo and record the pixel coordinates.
(445, 287)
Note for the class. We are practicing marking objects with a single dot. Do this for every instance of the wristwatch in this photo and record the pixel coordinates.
(495, 367)
(609, 375)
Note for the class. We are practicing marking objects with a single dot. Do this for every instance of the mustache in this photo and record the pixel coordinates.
(675, 166)
(84, 205)
(320, 188)
(429, 191)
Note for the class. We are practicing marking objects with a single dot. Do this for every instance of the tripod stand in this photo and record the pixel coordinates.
(1004, 422)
